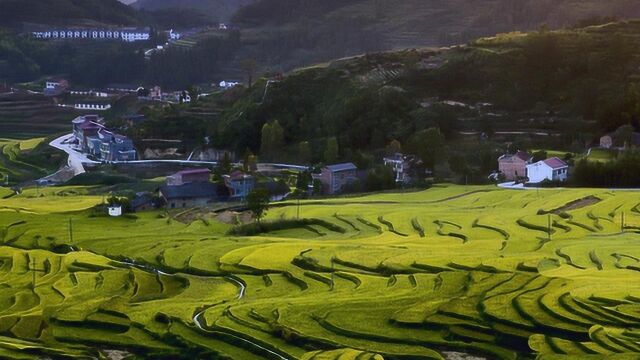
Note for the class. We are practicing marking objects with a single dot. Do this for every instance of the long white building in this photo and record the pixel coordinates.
(122, 34)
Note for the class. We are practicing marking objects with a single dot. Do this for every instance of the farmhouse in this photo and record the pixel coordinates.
(514, 166)
(619, 140)
(94, 138)
(192, 195)
(55, 87)
(142, 202)
(189, 176)
(239, 184)
(335, 177)
(552, 169)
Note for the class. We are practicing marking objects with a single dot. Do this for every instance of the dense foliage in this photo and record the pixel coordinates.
(15, 12)
(101, 63)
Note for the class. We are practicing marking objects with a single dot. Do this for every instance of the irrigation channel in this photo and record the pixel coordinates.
(197, 317)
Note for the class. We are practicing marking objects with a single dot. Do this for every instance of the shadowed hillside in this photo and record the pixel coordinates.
(14, 12)
(218, 10)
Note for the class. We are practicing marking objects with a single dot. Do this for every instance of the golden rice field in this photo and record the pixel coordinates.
(499, 274)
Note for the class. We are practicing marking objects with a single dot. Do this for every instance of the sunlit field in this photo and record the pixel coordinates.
(553, 274)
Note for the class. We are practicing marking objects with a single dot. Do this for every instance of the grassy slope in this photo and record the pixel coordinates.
(485, 278)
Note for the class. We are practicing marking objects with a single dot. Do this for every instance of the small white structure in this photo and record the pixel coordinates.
(97, 107)
(115, 210)
(552, 169)
(228, 84)
(174, 35)
(398, 163)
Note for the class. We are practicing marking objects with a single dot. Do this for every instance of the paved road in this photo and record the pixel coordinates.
(77, 159)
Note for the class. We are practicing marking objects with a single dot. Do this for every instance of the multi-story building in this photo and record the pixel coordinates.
(123, 34)
(239, 184)
(335, 177)
(94, 139)
(514, 166)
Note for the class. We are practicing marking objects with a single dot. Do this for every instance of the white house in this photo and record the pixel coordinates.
(115, 210)
(552, 169)
(228, 84)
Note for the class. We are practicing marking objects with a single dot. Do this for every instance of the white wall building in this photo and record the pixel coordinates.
(115, 210)
(97, 107)
(552, 169)
(123, 34)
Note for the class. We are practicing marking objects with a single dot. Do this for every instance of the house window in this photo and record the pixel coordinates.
(173, 205)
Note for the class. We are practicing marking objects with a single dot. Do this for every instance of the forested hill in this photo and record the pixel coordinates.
(572, 86)
(297, 32)
(15, 12)
(214, 10)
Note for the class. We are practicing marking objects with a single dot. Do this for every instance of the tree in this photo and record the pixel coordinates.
(428, 145)
(394, 147)
(539, 156)
(194, 93)
(304, 152)
(258, 203)
(250, 162)
(624, 136)
(272, 139)
(249, 66)
(225, 164)
(331, 151)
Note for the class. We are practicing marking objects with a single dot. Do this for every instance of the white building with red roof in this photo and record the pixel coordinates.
(552, 169)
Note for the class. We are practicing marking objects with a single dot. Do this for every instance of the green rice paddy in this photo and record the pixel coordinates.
(549, 274)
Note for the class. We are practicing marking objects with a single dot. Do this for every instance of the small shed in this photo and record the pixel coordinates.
(115, 210)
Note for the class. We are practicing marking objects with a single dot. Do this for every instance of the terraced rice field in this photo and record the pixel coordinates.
(499, 274)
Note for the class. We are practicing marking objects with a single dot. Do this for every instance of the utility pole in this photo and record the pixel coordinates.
(71, 231)
(33, 272)
(332, 273)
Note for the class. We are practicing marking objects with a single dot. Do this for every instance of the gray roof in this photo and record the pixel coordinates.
(342, 167)
(190, 191)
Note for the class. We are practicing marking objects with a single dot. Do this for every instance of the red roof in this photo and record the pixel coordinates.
(555, 163)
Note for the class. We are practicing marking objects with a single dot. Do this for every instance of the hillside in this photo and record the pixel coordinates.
(296, 32)
(15, 12)
(215, 10)
(541, 90)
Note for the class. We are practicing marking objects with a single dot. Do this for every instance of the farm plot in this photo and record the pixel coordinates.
(475, 270)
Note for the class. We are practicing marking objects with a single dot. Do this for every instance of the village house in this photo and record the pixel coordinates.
(55, 87)
(142, 202)
(155, 93)
(335, 177)
(514, 166)
(93, 138)
(239, 185)
(115, 147)
(189, 176)
(552, 169)
(192, 195)
(615, 140)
